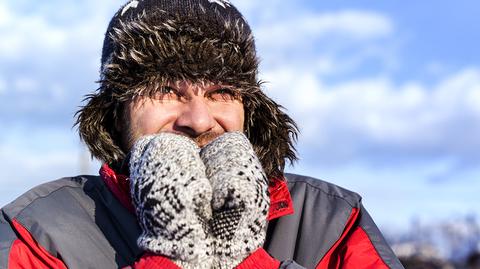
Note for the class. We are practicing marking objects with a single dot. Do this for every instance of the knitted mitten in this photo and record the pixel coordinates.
(240, 198)
(172, 198)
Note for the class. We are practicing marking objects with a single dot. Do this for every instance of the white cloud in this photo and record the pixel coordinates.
(460, 92)
(368, 116)
(332, 43)
(5, 17)
(51, 37)
(18, 33)
(254, 9)
(303, 28)
(26, 85)
(3, 85)
(58, 92)
(46, 50)
(246, 6)
(382, 116)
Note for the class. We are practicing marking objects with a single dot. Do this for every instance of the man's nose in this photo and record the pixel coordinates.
(195, 118)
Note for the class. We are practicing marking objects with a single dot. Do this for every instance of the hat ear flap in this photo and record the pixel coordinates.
(98, 127)
(271, 131)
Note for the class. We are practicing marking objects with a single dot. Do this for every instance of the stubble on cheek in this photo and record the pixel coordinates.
(130, 132)
(128, 138)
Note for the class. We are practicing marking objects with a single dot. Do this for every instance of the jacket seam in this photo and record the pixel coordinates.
(27, 205)
(41, 197)
(10, 250)
(374, 247)
(327, 193)
(344, 233)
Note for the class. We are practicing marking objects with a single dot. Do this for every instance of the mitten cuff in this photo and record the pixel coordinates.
(152, 261)
(259, 259)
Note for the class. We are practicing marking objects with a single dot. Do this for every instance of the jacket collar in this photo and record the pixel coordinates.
(280, 200)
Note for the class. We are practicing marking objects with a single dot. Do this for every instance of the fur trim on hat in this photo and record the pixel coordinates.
(147, 52)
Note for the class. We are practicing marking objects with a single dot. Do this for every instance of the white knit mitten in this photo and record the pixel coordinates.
(240, 198)
(172, 198)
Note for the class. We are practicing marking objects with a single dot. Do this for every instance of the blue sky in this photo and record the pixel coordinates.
(387, 95)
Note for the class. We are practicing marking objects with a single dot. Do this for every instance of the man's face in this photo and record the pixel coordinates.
(201, 111)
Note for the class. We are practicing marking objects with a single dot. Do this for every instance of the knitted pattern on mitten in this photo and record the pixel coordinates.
(240, 198)
(172, 198)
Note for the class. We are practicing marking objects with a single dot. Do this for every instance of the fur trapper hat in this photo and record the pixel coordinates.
(151, 42)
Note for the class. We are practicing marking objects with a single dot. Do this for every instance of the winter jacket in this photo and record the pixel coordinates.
(87, 222)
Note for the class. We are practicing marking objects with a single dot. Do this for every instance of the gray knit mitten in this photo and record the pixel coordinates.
(172, 198)
(240, 198)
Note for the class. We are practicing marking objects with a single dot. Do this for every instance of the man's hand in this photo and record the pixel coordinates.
(172, 198)
(240, 198)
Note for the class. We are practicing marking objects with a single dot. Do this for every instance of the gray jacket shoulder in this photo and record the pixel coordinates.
(43, 192)
(18, 208)
(59, 214)
(320, 207)
(321, 211)
(298, 181)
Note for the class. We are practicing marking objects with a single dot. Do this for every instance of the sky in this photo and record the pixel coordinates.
(386, 95)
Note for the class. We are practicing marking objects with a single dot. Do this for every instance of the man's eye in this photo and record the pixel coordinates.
(166, 93)
(224, 94)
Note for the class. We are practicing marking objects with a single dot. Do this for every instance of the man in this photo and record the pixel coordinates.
(193, 156)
